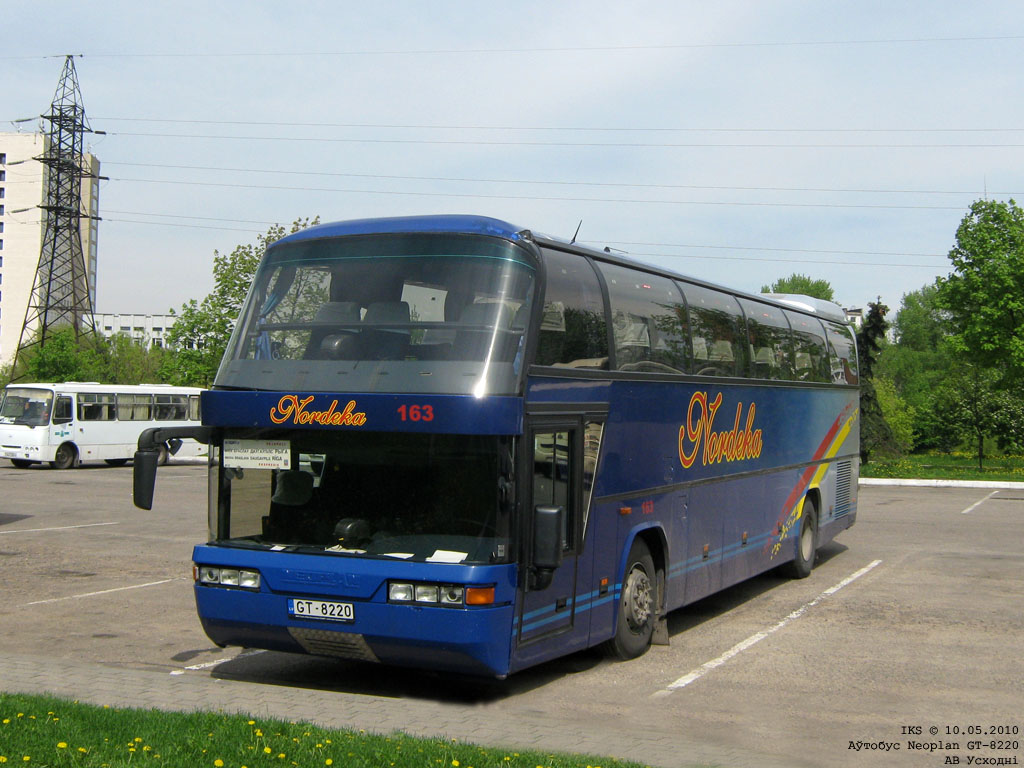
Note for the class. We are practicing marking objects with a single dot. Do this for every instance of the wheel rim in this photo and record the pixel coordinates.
(636, 598)
(64, 456)
(807, 542)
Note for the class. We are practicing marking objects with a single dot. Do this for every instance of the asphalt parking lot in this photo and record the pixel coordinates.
(904, 647)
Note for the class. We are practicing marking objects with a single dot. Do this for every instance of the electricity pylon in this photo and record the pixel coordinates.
(61, 291)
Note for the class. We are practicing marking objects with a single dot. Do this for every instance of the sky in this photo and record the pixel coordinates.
(738, 142)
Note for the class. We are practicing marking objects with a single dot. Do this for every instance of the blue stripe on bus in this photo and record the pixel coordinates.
(584, 603)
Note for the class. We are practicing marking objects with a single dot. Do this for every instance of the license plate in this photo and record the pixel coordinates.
(321, 609)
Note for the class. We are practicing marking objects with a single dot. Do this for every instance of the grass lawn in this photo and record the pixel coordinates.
(956, 466)
(43, 731)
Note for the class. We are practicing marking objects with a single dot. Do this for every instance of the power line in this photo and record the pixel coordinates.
(591, 243)
(932, 267)
(552, 49)
(581, 128)
(412, 193)
(765, 248)
(395, 177)
(589, 144)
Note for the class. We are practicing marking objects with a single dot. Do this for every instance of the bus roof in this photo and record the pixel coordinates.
(454, 223)
(94, 386)
(469, 224)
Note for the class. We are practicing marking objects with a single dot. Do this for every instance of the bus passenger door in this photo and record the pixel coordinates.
(549, 621)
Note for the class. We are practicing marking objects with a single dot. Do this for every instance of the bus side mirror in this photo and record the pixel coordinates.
(144, 477)
(548, 523)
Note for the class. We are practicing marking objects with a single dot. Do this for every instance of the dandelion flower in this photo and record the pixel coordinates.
(219, 763)
(62, 745)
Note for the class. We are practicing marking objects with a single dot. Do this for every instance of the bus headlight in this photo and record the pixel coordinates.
(426, 593)
(446, 595)
(212, 576)
(400, 593)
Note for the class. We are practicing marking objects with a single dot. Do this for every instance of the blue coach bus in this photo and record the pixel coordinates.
(453, 443)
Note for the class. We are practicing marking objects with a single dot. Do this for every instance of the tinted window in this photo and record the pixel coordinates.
(810, 359)
(648, 321)
(716, 324)
(171, 407)
(572, 330)
(134, 407)
(388, 313)
(842, 353)
(96, 407)
(771, 343)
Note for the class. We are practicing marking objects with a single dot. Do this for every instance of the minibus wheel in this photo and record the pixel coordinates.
(638, 605)
(65, 456)
(162, 454)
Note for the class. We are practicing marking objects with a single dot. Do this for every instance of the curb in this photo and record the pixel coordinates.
(941, 483)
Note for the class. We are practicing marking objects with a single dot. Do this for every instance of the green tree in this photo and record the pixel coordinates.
(970, 404)
(985, 294)
(875, 432)
(801, 284)
(114, 360)
(897, 413)
(65, 358)
(128, 362)
(918, 362)
(201, 332)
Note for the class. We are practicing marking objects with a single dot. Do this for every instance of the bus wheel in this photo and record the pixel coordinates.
(806, 542)
(65, 456)
(637, 606)
(162, 454)
(22, 463)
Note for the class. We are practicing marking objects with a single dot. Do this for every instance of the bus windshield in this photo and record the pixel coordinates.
(427, 498)
(423, 313)
(24, 405)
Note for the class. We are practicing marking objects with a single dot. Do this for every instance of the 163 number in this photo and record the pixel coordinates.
(416, 412)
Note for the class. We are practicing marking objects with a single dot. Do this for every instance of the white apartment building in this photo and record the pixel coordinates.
(145, 330)
(23, 181)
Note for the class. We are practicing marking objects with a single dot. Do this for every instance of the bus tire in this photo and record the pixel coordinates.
(65, 457)
(638, 605)
(22, 463)
(162, 454)
(806, 542)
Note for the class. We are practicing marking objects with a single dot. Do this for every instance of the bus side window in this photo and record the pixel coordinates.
(62, 410)
(810, 353)
(648, 321)
(716, 321)
(573, 332)
(552, 478)
(842, 353)
(770, 338)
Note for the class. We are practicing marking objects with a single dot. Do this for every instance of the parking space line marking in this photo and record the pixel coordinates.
(61, 528)
(217, 663)
(102, 592)
(757, 637)
(978, 503)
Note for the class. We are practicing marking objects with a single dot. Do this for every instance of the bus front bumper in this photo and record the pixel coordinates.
(472, 640)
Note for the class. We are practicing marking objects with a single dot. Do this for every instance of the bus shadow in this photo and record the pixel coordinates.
(362, 678)
(713, 606)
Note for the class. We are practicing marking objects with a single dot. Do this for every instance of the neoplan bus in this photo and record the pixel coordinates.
(68, 423)
(453, 443)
